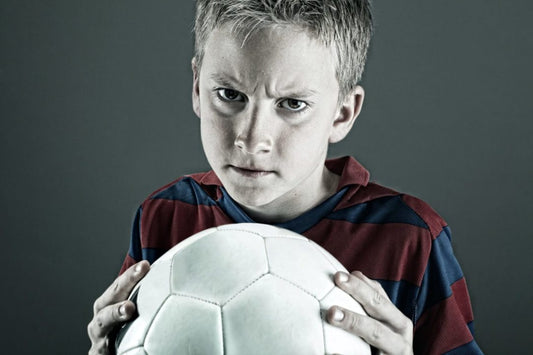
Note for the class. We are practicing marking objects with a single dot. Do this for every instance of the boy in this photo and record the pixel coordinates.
(274, 83)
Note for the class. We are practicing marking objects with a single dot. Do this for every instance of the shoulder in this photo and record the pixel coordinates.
(196, 189)
(380, 203)
(176, 211)
(183, 199)
(387, 205)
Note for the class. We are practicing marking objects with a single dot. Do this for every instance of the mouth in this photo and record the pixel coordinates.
(250, 172)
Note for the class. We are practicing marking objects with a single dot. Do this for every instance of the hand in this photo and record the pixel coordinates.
(385, 327)
(112, 308)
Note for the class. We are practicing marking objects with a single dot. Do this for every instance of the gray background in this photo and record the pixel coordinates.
(96, 113)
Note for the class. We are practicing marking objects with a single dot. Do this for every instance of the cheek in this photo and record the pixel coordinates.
(215, 127)
(302, 146)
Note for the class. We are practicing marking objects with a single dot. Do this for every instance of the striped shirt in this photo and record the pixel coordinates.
(391, 237)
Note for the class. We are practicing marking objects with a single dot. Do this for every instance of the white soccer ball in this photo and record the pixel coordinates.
(240, 289)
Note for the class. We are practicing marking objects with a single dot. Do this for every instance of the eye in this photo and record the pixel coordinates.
(293, 105)
(230, 95)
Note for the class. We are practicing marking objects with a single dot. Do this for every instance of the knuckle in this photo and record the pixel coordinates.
(96, 328)
(115, 287)
(377, 332)
(407, 325)
(99, 322)
(353, 322)
(99, 347)
(94, 332)
(377, 298)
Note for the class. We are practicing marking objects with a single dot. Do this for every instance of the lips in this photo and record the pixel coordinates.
(251, 172)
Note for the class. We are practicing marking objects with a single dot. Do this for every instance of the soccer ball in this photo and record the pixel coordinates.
(240, 289)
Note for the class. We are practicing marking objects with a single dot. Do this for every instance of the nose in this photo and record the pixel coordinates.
(255, 136)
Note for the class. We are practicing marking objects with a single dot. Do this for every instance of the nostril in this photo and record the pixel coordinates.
(240, 143)
(253, 145)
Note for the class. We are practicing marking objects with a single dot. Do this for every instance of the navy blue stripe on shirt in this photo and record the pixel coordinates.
(388, 209)
(310, 218)
(466, 349)
(471, 327)
(441, 272)
(402, 294)
(152, 254)
(186, 190)
(231, 209)
(297, 225)
(135, 242)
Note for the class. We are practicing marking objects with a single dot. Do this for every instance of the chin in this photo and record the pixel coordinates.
(250, 197)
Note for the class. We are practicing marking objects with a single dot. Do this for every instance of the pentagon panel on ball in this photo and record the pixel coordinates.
(240, 289)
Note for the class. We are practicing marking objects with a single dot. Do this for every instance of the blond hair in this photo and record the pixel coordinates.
(344, 25)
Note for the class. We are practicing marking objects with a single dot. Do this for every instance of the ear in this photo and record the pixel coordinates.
(347, 114)
(195, 88)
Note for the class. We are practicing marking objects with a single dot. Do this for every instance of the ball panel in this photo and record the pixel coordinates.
(148, 295)
(154, 288)
(185, 243)
(272, 316)
(300, 262)
(218, 265)
(330, 258)
(185, 326)
(132, 334)
(337, 340)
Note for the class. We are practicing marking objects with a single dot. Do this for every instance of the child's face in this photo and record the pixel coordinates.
(268, 110)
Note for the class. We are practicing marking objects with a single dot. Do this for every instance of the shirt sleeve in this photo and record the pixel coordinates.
(134, 254)
(443, 313)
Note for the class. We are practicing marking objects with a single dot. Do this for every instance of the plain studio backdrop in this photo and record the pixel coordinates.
(96, 113)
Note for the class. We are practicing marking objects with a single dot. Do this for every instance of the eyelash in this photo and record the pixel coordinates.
(221, 95)
(305, 107)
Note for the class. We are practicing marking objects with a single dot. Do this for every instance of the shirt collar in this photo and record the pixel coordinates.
(350, 171)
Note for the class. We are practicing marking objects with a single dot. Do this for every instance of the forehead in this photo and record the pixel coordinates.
(282, 53)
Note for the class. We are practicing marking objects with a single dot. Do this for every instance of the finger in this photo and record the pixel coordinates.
(99, 348)
(108, 319)
(102, 347)
(370, 330)
(122, 286)
(373, 298)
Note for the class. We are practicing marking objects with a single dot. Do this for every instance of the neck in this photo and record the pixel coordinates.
(294, 203)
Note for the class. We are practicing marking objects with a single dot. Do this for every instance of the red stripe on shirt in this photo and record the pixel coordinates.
(165, 223)
(360, 247)
(438, 329)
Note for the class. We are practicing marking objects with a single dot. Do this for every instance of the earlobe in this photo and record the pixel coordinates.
(347, 114)
(195, 88)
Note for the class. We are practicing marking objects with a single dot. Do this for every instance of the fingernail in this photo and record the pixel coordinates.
(338, 315)
(343, 277)
(122, 310)
(137, 268)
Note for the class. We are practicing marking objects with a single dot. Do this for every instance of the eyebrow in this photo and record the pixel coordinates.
(231, 81)
(298, 93)
(224, 79)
